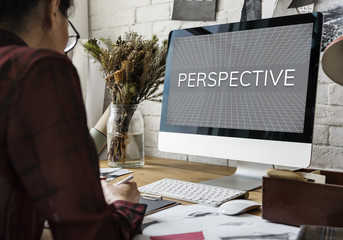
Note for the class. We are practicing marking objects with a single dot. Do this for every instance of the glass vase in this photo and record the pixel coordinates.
(125, 136)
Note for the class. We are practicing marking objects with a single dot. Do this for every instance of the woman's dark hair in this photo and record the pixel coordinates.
(65, 5)
(13, 12)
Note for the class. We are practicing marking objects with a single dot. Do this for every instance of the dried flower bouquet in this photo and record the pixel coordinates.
(133, 69)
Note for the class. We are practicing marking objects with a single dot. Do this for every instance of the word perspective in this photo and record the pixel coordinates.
(263, 78)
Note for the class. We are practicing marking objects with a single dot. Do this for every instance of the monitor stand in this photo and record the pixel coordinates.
(248, 176)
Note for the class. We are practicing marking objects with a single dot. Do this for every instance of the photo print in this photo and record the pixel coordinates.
(331, 9)
(251, 10)
(194, 10)
(292, 7)
(333, 19)
(300, 3)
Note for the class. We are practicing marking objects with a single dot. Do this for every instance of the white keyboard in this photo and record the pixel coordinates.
(191, 192)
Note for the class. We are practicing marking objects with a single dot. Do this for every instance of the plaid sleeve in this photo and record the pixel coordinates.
(54, 157)
(320, 233)
(133, 212)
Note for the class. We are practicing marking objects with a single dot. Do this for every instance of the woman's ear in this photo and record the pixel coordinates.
(52, 12)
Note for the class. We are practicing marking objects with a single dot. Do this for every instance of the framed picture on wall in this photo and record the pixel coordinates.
(194, 10)
(333, 19)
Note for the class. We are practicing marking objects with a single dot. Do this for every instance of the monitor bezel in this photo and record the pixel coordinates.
(307, 135)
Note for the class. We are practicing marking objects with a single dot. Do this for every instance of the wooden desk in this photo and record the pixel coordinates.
(158, 168)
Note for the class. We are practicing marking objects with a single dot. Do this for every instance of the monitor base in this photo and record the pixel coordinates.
(248, 176)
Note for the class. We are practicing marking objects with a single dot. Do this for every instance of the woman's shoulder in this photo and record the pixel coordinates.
(22, 59)
(33, 55)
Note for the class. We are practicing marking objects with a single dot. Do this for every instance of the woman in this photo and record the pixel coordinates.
(48, 163)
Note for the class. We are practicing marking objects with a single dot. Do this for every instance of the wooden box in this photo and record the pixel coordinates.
(304, 203)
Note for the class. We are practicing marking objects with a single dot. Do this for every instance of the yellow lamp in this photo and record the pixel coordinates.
(332, 61)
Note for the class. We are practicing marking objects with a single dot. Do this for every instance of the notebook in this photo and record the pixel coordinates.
(157, 205)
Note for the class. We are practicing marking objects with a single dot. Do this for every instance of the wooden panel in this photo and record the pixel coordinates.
(299, 203)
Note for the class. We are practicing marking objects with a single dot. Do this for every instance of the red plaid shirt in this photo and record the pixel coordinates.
(48, 163)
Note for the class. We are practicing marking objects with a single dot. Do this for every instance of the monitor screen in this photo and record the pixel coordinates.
(242, 90)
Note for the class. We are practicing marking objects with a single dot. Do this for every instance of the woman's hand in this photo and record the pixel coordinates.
(126, 191)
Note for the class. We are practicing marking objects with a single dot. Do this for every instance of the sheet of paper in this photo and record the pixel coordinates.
(183, 236)
(282, 9)
(268, 7)
(300, 3)
(121, 172)
(107, 170)
(213, 225)
(113, 173)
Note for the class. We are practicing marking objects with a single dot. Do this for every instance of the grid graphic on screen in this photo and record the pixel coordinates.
(272, 110)
(258, 47)
(239, 111)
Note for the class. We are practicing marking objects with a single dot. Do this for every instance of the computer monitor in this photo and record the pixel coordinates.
(243, 91)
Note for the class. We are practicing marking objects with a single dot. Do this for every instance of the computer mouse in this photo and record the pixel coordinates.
(238, 206)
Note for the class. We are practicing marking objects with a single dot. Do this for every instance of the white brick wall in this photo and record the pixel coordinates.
(335, 94)
(147, 17)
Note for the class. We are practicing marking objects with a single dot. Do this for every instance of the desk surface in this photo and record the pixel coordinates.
(158, 168)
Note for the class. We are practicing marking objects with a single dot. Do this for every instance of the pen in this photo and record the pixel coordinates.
(124, 180)
(151, 197)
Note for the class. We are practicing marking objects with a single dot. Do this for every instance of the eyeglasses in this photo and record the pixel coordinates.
(73, 37)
